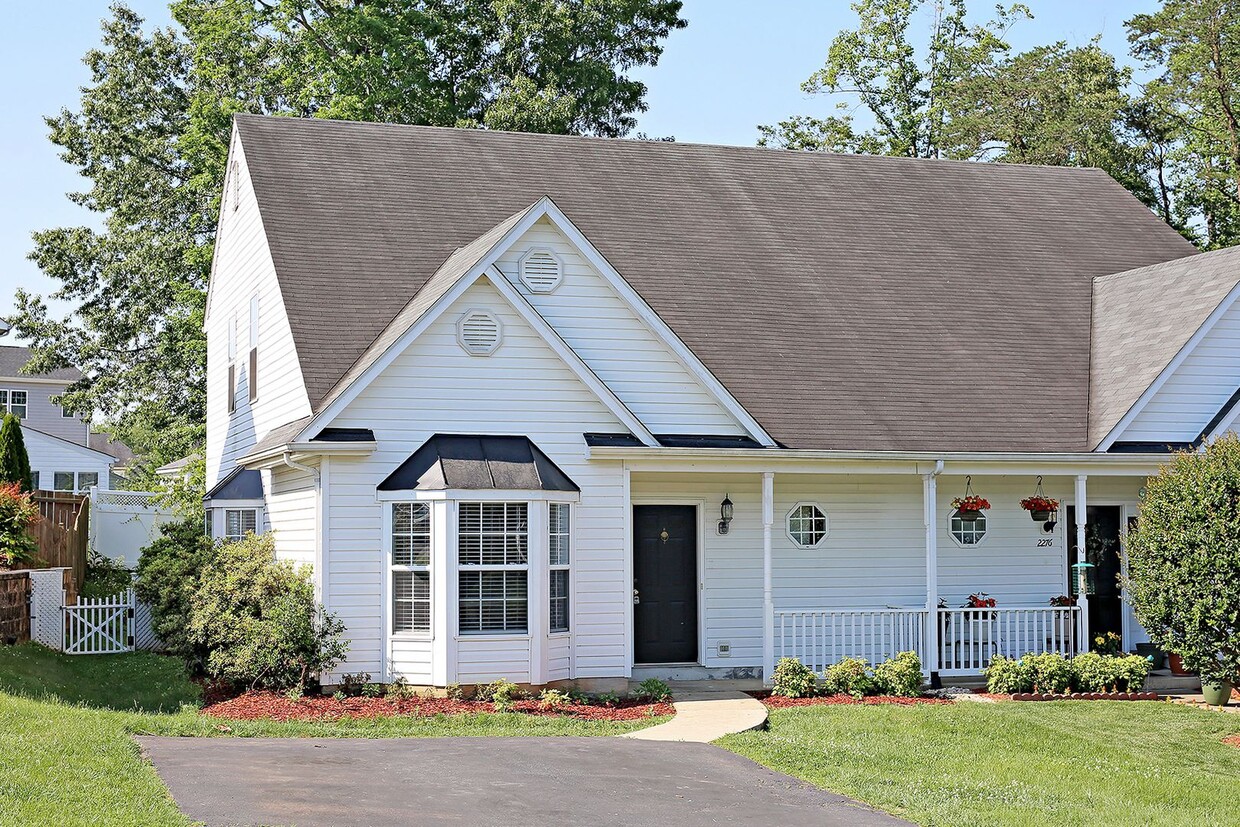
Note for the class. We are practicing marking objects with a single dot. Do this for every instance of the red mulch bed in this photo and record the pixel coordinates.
(253, 706)
(780, 702)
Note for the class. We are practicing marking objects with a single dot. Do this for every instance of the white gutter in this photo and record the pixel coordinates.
(275, 456)
(765, 456)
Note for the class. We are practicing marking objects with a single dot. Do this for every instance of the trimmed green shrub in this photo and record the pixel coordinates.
(653, 690)
(793, 679)
(900, 675)
(168, 573)
(851, 676)
(1008, 676)
(1093, 672)
(1184, 560)
(259, 621)
(554, 699)
(1131, 672)
(1051, 672)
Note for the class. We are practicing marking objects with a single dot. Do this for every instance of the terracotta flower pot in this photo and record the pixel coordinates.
(1177, 665)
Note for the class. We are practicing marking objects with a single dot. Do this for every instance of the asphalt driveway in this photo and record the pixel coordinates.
(485, 781)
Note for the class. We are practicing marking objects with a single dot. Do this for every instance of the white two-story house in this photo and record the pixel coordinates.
(557, 408)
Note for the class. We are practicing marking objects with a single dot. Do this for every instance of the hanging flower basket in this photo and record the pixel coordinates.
(1041, 508)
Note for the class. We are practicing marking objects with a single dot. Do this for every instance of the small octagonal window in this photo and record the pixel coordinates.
(807, 525)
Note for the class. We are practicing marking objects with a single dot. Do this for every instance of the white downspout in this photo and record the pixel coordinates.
(768, 600)
(930, 494)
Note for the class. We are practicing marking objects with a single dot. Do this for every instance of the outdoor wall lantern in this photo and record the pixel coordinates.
(725, 514)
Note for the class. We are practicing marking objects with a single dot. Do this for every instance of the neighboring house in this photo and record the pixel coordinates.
(553, 408)
(64, 454)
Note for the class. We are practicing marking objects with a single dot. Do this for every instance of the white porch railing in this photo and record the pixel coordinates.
(821, 637)
(967, 638)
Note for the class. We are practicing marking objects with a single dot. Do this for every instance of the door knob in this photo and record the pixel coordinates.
(636, 597)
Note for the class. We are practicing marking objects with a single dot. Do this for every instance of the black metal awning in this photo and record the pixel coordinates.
(478, 463)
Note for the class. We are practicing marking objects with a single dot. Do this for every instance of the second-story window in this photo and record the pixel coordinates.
(14, 402)
(232, 363)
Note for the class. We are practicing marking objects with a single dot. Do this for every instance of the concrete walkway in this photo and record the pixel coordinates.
(705, 713)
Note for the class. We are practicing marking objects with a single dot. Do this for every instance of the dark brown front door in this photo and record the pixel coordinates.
(665, 583)
(1102, 548)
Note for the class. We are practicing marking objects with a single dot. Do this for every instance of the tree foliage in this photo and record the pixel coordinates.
(151, 131)
(14, 459)
(1193, 112)
(1184, 559)
(168, 573)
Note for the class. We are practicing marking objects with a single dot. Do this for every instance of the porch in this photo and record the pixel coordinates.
(892, 568)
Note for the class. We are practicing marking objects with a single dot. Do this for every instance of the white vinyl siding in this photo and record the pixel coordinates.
(1196, 391)
(615, 343)
(291, 514)
(243, 279)
(64, 465)
(435, 386)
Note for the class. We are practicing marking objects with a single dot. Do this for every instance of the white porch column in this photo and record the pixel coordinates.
(768, 601)
(930, 496)
(1082, 600)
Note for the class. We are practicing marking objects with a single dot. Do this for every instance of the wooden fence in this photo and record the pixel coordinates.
(63, 532)
(14, 607)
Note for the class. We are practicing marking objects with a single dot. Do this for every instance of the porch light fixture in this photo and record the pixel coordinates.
(725, 514)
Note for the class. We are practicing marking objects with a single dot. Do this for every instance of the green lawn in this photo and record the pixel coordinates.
(1082, 763)
(67, 756)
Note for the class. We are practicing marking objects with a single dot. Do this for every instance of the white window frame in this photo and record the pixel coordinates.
(8, 401)
(951, 532)
(80, 486)
(251, 371)
(232, 363)
(65, 413)
(564, 564)
(480, 568)
(411, 567)
(56, 481)
(826, 524)
(232, 538)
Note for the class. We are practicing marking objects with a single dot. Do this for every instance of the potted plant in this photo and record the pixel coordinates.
(969, 508)
(1155, 655)
(1216, 691)
(1063, 620)
(1042, 509)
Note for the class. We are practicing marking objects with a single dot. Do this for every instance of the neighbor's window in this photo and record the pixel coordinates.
(14, 402)
(558, 536)
(63, 480)
(807, 525)
(493, 553)
(85, 479)
(65, 413)
(34, 480)
(239, 522)
(411, 567)
(968, 533)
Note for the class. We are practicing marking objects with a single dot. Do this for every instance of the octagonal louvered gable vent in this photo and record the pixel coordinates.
(479, 332)
(541, 271)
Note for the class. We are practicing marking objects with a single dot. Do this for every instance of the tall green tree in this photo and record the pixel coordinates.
(905, 94)
(1193, 107)
(14, 461)
(151, 131)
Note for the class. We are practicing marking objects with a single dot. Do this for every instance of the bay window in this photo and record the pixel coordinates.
(411, 567)
(239, 522)
(493, 575)
(558, 542)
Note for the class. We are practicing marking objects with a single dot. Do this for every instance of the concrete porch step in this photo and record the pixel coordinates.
(1165, 683)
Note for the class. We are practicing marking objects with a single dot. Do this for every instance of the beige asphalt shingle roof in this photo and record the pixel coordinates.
(848, 302)
(1142, 319)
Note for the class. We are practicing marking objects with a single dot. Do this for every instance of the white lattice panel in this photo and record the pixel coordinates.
(124, 499)
(47, 597)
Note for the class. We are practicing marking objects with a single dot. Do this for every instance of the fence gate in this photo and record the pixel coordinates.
(101, 626)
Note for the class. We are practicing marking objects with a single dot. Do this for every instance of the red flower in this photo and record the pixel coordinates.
(971, 502)
(1039, 503)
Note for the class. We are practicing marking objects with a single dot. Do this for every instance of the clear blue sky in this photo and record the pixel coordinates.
(738, 64)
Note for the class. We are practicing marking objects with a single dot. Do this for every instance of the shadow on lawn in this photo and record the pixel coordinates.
(131, 682)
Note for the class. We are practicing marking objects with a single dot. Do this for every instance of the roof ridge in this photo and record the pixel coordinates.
(671, 145)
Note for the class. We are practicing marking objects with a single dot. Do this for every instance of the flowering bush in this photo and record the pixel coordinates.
(1063, 600)
(1108, 644)
(18, 515)
(1039, 503)
(971, 502)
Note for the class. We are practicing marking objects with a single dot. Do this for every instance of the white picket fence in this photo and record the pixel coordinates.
(100, 626)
